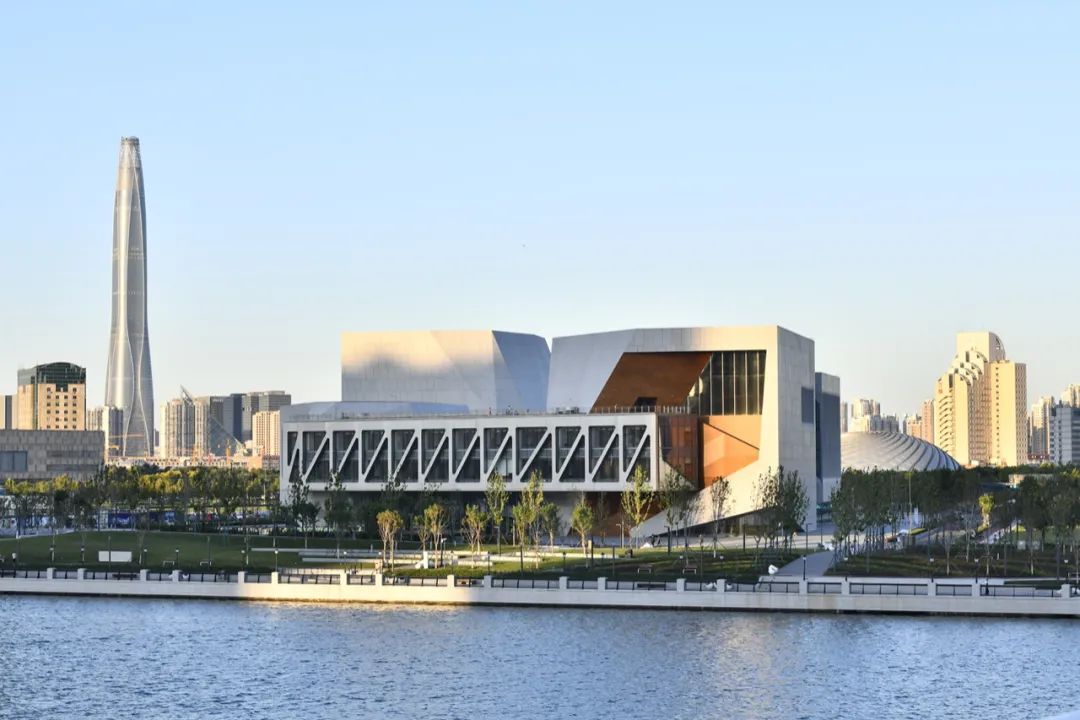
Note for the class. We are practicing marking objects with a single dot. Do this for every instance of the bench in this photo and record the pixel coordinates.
(168, 563)
(206, 563)
(645, 569)
(690, 569)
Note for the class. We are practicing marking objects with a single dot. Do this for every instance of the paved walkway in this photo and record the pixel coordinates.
(816, 565)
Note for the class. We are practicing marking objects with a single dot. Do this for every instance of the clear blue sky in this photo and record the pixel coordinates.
(875, 178)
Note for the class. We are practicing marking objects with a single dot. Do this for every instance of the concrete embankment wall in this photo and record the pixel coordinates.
(826, 595)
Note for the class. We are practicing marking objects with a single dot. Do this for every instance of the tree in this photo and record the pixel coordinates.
(636, 497)
(532, 498)
(986, 506)
(519, 514)
(582, 521)
(549, 521)
(390, 524)
(423, 532)
(496, 498)
(674, 498)
(784, 502)
(719, 492)
(337, 509)
(300, 506)
(472, 526)
(435, 522)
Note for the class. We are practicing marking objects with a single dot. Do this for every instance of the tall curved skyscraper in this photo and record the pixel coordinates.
(129, 384)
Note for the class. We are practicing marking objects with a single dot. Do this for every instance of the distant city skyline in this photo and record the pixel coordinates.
(551, 171)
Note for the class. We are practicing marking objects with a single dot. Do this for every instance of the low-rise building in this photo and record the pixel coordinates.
(47, 454)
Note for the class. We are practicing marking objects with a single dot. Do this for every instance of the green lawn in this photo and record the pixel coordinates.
(914, 563)
(225, 553)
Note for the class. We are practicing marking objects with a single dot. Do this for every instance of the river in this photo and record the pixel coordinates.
(105, 658)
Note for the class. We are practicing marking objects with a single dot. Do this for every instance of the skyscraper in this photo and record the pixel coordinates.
(129, 384)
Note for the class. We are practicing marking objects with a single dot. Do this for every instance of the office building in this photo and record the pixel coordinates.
(52, 397)
(128, 381)
(704, 402)
(266, 431)
(980, 404)
(1063, 433)
(110, 421)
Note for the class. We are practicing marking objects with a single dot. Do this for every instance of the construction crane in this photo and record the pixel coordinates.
(232, 445)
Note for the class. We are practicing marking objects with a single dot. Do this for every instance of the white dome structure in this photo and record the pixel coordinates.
(892, 451)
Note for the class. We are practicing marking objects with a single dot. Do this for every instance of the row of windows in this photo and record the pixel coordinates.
(732, 383)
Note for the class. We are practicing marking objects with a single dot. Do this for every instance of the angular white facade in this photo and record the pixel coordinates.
(584, 369)
(475, 370)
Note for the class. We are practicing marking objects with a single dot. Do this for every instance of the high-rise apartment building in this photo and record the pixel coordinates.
(110, 422)
(52, 397)
(980, 404)
(926, 431)
(1071, 396)
(266, 432)
(9, 412)
(263, 401)
(128, 381)
(1039, 429)
(178, 434)
(845, 412)
(1063, 432)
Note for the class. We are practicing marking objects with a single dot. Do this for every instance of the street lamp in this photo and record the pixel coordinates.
(804, 567)
(275, 560)
(176, 562)
(142, 558)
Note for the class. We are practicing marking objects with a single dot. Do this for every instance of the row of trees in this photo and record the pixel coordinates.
(212, 496)
(957, 506)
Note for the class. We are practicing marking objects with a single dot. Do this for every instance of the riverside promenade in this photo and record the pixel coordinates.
(818, 595)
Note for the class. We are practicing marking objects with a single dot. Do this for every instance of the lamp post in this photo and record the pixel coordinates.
(82, 554)
(208, 558)
(804, 567)
(142, 558)
(52, 553)
(275, 560)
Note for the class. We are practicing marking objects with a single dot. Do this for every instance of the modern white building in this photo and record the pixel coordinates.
(702, 402)
(445, 370)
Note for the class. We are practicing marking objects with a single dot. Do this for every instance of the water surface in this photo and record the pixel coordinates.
(106, 658)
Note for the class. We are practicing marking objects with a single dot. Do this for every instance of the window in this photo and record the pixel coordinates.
(732, 383)
(13, 461)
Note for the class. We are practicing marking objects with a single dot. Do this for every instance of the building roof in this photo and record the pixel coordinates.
(891, 451)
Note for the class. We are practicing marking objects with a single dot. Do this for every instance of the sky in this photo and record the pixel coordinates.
(876, 177)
